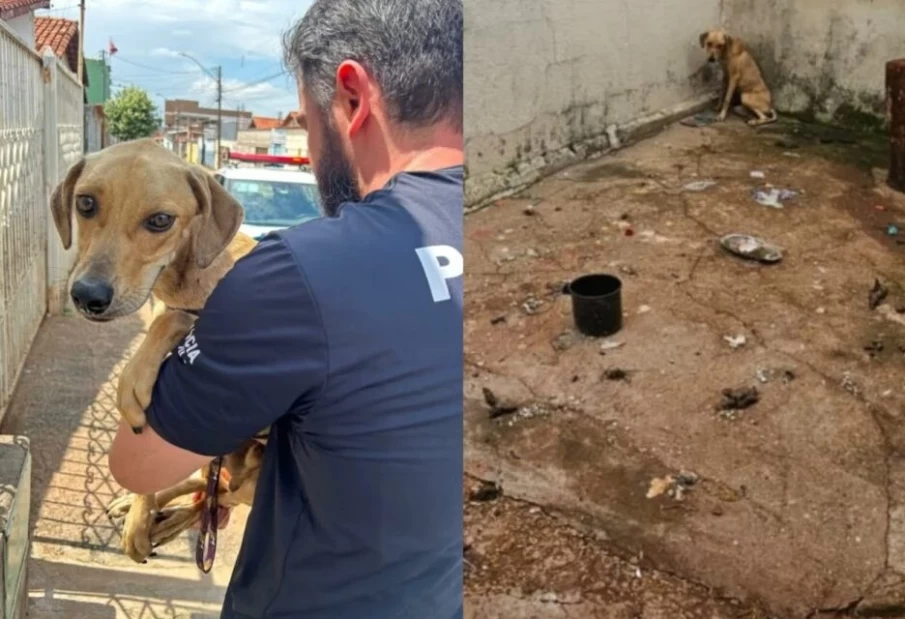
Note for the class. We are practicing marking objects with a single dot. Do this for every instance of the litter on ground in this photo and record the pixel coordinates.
(699, 185)
(751, 248)
(772, 196)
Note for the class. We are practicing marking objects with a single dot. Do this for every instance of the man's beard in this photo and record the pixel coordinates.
(335, 178)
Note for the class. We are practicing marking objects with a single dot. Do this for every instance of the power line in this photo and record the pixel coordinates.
(256, 82)
(150, 68)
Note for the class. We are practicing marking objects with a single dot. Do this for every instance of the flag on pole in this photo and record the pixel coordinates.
(113, 48)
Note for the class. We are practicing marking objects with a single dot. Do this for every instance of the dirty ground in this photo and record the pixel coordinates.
(65, 404)
(793, 499)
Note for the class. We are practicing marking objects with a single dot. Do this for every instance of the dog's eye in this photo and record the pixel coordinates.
(86, 206)
(159, 222)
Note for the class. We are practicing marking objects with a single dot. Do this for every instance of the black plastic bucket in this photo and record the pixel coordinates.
(596, 304)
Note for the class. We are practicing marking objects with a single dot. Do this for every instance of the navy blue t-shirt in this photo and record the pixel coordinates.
(345, 335)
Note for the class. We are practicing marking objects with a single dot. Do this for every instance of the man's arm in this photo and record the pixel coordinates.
(257, 351)
(145, 463)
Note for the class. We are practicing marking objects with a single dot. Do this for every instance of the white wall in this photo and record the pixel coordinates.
(825, 57)
(24, 27)
(544, 75)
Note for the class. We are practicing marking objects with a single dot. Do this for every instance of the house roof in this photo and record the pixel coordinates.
(291, 120)
(264, 122)
(61, 36)
(14, 8)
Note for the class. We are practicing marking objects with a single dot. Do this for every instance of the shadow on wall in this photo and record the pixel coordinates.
(824, 59)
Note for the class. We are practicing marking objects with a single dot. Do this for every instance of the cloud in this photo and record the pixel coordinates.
(165, 52)
(242, 36)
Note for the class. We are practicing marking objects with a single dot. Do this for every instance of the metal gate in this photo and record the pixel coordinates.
(40, 136)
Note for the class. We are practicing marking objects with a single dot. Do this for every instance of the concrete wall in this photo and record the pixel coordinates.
(544, 78)
(823, 58)
(24, 26)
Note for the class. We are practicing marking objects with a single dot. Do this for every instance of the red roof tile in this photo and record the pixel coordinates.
(61, 36)
(13, 8)
(264, 122)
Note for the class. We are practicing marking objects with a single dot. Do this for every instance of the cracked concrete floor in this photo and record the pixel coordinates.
(64, 403)
(799, 502)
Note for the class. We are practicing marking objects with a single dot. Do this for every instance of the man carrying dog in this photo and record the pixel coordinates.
(344, 335)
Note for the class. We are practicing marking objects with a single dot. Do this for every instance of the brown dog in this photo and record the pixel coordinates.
(149, 223)
(740, 73)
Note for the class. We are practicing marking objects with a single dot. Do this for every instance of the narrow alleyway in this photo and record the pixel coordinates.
(65, 404)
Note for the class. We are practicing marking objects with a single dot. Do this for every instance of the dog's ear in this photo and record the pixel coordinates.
(220, 217)
(703, 38)
(61, 203)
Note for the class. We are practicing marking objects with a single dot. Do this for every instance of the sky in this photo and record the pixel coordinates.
(242, 36)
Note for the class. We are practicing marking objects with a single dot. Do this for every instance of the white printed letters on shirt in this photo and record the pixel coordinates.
(440, 263)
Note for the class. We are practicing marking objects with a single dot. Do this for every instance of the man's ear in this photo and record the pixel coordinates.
(354, 92)
(220, 216)
(703, 38)
(61, 203)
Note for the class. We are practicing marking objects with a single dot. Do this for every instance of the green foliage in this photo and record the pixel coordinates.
(131, 114)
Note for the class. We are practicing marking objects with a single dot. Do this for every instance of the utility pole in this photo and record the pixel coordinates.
(219, 79)
(219, 115)
(81, 42)
(105, 88)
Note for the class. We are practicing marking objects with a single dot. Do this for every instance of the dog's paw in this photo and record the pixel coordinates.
(171, 522)
(721, 117)
(119, 508)
(137, 533)
(133, 393)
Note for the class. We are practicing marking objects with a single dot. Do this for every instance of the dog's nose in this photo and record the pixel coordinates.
(92, 296)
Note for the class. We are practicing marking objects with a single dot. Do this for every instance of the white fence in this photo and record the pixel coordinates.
(40, 137)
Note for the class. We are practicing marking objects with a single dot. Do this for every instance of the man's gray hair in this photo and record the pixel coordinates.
(412, 48)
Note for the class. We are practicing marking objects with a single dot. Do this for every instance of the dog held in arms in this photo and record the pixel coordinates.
(151, 224)
(740, 74)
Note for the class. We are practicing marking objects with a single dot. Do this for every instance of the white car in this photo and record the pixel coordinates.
(273, 198)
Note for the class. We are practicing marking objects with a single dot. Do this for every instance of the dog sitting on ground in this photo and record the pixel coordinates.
(740, 74)
(151, 224)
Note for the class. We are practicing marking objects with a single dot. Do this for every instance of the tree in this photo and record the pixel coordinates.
(131, 114)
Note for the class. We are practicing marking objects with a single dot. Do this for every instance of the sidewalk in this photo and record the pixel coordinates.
(65, 404)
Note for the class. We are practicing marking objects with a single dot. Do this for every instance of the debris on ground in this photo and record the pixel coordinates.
(615, 374)
(564, 341)
(610, 346)
(735, 341)
(673, 486)
(644, 309)
(485, 491)
(498, 407)
(498, 320)
(739, 399)
(892, 230)
(772, 196)
(751, 248)
(627, 270)
(531, 305)
(765, 375)
(699, 185)
(529, 210)
(877, 295)
(874, 348)
(848, 383)
(758, 174)
(530, 411)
